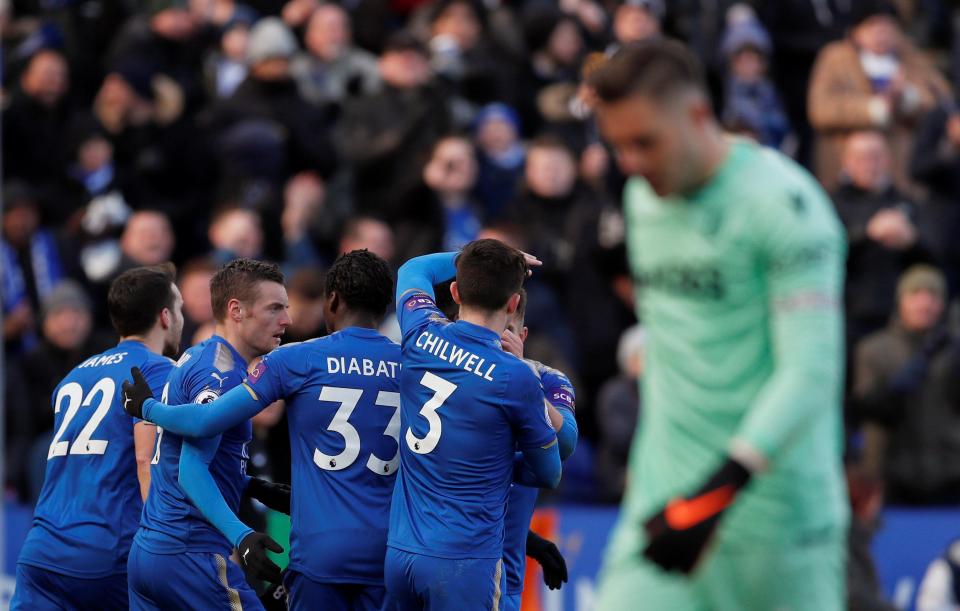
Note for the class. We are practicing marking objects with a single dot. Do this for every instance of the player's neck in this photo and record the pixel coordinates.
(495, 321)
(153, 340)
(361, 320)
(715, 147)
(233, 337)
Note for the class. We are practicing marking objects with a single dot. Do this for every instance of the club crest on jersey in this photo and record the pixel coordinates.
(419, 303)
(257, 372)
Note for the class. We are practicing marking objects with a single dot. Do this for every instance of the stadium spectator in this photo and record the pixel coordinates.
(235, 233)
(618, 409)
(333, 68)
(194, 285)
(636, 20)
(36, 120)
(873, 79)
(269, 97)
(881, 230)
(369, 233)
(387, 136)
(901, 392)
(447, 218)
(33, 259)
(304, 197)
(750, 99)
(936, 165)
(226, 66)
(500, 158)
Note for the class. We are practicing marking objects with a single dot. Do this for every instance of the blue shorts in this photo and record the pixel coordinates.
(305, 593)
(415, 581)
(511, 602)
(41, 589)
(190, 580)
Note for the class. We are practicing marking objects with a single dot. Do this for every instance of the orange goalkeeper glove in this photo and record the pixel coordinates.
(678, 534)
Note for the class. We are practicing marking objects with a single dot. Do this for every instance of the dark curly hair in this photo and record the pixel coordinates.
(363, 280)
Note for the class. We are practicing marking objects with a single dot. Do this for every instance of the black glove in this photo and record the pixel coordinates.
(135, 393)
(550, 559)
(678, 534)
(274, 598)
(274, 496)
(253, 557)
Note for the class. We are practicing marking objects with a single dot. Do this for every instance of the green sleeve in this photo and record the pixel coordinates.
(801, 253)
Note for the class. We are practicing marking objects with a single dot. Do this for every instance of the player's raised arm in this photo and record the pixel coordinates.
(559, 394)
(421, 273)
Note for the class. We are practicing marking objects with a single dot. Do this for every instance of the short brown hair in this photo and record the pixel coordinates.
(658, 68)
(488, 273)
(137, 297)
(238, 280)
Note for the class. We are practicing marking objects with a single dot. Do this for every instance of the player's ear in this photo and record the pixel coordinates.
(524, 332)
(513, 303)
(455, 292)
(333, 302)
(235, 310)
(166, 317)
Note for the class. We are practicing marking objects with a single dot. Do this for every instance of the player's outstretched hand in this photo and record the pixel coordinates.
(531, 262)
(253, 556)
(679, 533)
(550, 559)
(275, 496)
(135, 393)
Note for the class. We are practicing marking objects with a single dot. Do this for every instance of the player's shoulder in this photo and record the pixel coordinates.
(772, 186)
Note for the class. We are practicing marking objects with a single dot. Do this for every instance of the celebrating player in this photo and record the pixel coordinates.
(189, 526)
(75, 555)
(466, 406)
(344, 409)
(518, 541)
(738, 259)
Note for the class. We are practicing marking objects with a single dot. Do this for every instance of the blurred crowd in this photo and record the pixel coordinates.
(136, 132)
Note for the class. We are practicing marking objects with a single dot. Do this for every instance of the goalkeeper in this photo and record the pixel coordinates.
(735, 497)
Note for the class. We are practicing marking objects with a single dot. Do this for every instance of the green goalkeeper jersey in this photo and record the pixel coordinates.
(740, 288)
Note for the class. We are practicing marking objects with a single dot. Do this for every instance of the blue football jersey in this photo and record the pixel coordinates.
(523, 499)
(343, 408)
(88, 510)
(171, 523)
(466, 406)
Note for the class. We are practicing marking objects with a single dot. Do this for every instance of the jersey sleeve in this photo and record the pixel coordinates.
(527, 413)
(801, 251)
(200, 486)
(558, 392)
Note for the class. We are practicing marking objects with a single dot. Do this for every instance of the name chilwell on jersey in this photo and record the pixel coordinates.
(455, 355)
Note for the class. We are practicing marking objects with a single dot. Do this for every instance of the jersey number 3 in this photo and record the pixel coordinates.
(442, 390)
(72, 393)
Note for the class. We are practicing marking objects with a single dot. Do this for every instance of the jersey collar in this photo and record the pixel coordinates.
(240, 359)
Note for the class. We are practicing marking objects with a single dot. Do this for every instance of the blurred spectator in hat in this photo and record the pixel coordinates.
(750, 97)
(902, 380)
(500, 157)
(269, 97)
(881, 226)
(873, 79)
(386, 137)
(333, 68)
(225, 67)
(36, 119)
